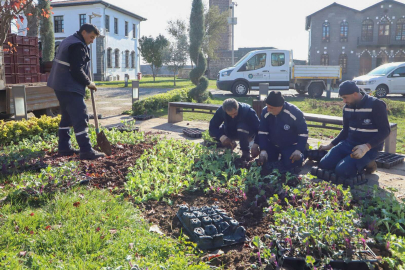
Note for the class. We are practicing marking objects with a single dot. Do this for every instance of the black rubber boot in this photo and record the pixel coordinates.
(92, 155)
(371, 167)
(68, 153)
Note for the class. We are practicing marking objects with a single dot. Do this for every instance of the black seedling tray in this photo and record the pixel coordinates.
(91, 116)
(193, 132)
(211, 227)
(330, 176)
(316, 155)
(387, 160)
(143, 117)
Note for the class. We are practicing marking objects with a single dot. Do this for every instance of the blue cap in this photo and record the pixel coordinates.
(348, 88)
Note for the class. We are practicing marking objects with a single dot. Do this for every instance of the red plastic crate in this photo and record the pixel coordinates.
(27, 60)
(33, 41)
(27, 51)
(26, 69)
(11, 79)
(24, 78)
(35, 78)
(9, 69)
(9, 59)
(43, 77)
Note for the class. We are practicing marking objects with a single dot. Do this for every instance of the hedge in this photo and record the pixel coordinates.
(18, 130)
(160, 101)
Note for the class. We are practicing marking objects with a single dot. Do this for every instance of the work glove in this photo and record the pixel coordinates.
(255, 151)
(296, 156)
(262, 158)
(226, 142)
(92, 86)
(326, 147)
(359, 151)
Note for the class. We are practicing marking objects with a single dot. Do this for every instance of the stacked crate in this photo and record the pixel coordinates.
(21, 60)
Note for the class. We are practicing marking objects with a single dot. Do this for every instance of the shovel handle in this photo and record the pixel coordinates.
(94, 111)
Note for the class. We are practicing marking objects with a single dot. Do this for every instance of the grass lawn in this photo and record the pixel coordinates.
(161, 82)
(396, 110)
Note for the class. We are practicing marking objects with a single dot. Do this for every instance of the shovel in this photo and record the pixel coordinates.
(102, 141)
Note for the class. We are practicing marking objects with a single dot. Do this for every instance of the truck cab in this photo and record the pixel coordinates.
(261, 66)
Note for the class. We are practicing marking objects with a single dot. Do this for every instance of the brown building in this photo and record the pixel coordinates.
(358, 40)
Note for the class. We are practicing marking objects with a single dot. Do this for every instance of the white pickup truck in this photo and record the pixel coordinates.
(276, 68)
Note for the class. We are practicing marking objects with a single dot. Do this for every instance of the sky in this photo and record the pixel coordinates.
(261, 23)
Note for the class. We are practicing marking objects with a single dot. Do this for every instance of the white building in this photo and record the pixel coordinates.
(115, 52)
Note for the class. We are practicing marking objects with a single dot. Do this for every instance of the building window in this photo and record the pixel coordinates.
(117, 58)
(126, 59)
(126, 29)
(116, 26)
(107, 23)
(59, 25)
(367, 29)
(134, 31)
(400, 33)
(384, 27)
(343, 63)
(344, 31)
(82, 18)
(326, 32)
(109, 58)
(132, 59)
(325, 59)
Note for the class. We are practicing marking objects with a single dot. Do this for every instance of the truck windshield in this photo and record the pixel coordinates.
(242, 59)
(382, 70)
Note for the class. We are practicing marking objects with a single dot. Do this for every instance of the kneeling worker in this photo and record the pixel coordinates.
(365, 127)
(282, 130)
(235, 121)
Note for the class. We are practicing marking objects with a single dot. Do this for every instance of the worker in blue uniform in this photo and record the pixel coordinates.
(365, 127)
(69, 77)
(283, 131)
(235, 121)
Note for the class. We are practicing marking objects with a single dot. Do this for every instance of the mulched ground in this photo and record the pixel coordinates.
(108, 172)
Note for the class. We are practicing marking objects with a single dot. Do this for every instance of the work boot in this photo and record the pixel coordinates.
(68, 153)
(92, 155)
(371, 167)
(246, 155)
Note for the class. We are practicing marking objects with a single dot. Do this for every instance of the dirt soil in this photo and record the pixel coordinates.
(108, 172)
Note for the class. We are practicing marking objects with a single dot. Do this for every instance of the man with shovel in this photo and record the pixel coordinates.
(69, 77)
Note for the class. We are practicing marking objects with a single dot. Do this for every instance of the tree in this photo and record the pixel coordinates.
(32, 15)
(175, 55)
(152, 51)
(197, 30)
(216, 24)
(46, 31)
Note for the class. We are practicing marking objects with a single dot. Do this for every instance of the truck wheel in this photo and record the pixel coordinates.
(53, 112)
(381, 91)
(240, 89)
(315, 90)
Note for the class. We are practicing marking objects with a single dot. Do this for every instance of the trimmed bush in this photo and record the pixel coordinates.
(160, 101)
(18, 130)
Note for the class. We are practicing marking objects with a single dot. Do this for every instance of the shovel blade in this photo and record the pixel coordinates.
(103, 143)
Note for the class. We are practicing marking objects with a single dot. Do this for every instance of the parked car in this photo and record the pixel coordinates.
(383, 80)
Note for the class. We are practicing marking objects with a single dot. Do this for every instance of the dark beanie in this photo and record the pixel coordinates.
(275, 99)
(348, 88)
